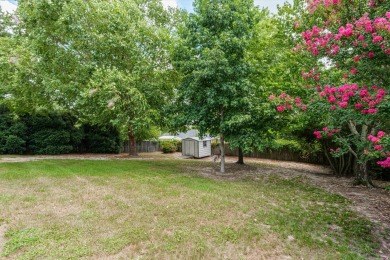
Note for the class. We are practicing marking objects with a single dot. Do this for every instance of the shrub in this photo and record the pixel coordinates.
(14, 145)
(50, 141)
(168, 146)
(102, 139)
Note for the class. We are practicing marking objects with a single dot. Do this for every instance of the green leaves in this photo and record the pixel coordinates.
(116, 50)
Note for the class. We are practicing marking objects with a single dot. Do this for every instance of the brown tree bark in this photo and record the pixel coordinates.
(132, 142)
(222, 147)
(240, 156)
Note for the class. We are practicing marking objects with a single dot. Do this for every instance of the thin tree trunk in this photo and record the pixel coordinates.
(240, 156)
(132, 142)
(222, 148)
(361, 175)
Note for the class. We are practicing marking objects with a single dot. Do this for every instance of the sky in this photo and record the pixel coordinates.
(10, 5)
(187, 4)
(7, 6)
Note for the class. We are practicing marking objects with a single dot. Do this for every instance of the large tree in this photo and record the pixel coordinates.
(215, 90)
(107, 60)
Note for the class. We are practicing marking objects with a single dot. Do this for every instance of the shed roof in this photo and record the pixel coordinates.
(197, 139)
(169, 137)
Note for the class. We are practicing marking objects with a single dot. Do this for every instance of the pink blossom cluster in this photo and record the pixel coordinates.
(385, 163)
(365, 99)
(287, 103)
(376, 139)
(312, 4)
(362, 32)
(326, 132)
(311, 74)
(334, 150)
(378, 146)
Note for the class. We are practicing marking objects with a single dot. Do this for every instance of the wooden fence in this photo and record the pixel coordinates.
(142, 147)
(282, 155)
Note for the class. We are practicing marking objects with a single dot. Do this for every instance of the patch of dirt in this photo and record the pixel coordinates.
(3, 241)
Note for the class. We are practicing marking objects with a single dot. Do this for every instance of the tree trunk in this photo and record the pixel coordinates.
(132, 142)
(240, 156)
(362, 177)
(222, 148)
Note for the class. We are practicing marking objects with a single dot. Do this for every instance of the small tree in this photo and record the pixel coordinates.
(214, 93)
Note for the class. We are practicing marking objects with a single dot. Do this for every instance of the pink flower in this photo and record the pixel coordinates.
(331, 99)
(381, 134)
(358, 106)
(373, 138)
(356, 58)
(377, 38)
(353, 71)
(385, 163)
(297, 100)
(378, 147)
(281, 108)
(325, 129)
(333, 107)
(317, 134)
(343, 104)
(371, 54)
(283, 95)
(372, 110)
(272, 97)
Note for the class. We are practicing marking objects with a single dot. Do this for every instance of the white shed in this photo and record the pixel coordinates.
(193, 146)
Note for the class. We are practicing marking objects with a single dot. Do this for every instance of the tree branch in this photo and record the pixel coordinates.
(352, 127)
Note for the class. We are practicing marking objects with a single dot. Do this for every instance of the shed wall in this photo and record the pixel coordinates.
(204, 150)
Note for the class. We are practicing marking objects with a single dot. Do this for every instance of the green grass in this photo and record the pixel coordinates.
(68, 209)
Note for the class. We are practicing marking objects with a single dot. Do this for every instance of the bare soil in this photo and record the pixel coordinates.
(371, 203)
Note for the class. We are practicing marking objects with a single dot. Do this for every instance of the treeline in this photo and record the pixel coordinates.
(54, 133)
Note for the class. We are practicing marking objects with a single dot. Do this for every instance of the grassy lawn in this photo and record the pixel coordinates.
(63, 209)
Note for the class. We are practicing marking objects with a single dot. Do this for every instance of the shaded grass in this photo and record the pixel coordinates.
(159, 209)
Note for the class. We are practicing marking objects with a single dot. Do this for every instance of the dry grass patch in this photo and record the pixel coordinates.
(159, 210)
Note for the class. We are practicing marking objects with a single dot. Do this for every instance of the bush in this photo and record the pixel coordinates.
(102, 139)
(50, 141)
(168, 146)
(14, 145)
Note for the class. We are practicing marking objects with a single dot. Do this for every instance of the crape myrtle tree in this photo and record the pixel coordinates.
(215, 91)
(107, 61)
(351, 96)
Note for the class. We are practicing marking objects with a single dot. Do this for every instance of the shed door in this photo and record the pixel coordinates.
(189, 147)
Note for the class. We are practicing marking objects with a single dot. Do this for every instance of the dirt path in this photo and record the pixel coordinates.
(373, 204)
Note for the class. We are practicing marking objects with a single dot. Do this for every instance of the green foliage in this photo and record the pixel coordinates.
(54, 134)
(50, 141)
(14, 145)
(101, 139)
(51, 134)
(210, 53)
(169, 146)
(12, 133)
